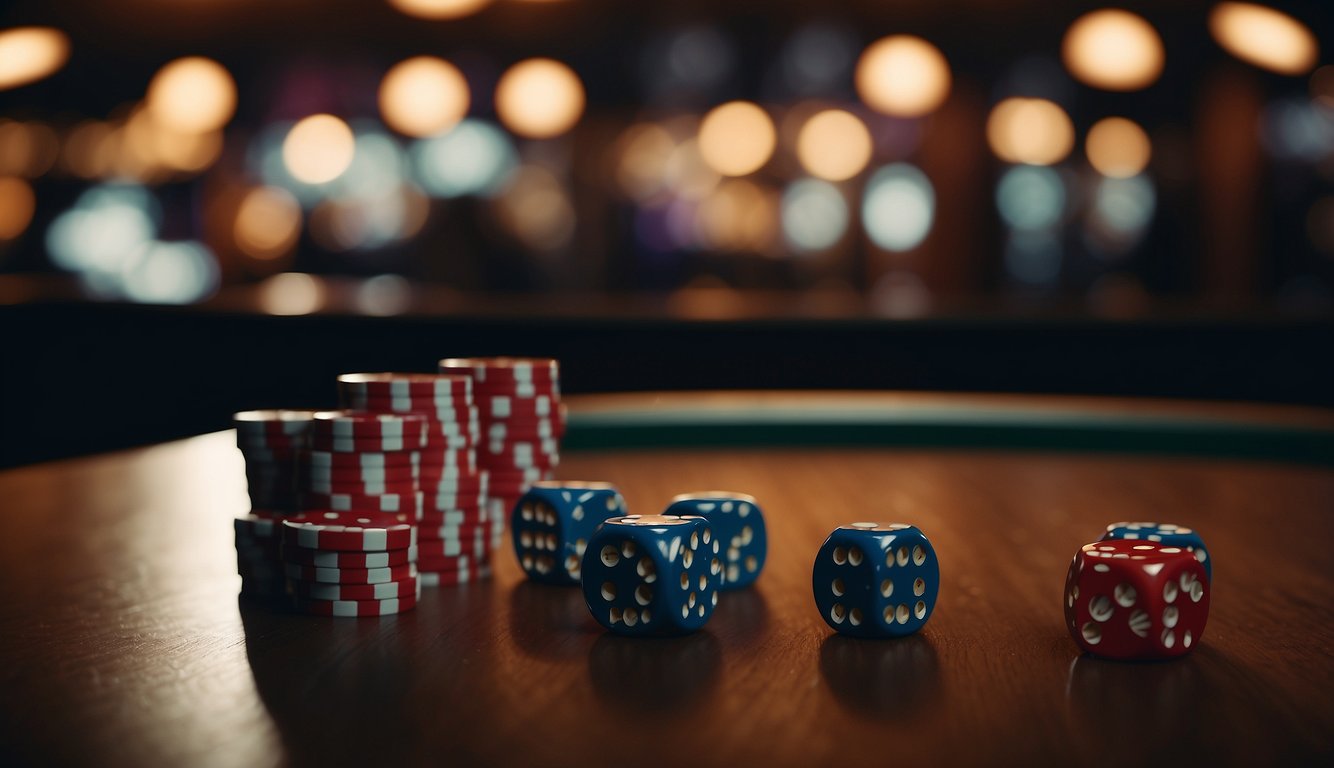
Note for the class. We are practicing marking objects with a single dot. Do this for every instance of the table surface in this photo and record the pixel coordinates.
(123, 640)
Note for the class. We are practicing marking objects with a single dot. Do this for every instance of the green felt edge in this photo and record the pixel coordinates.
(1095, 434)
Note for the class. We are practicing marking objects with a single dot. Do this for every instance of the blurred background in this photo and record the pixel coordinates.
(217, 204)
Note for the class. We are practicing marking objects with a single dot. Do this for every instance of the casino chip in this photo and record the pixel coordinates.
(349, 531)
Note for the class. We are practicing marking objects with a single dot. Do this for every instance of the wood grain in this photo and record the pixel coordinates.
(124, 642)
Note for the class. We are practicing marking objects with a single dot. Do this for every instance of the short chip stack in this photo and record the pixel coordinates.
(522, 422)
(455, 538)
(272, 442)
(351, 563)
(353, 552)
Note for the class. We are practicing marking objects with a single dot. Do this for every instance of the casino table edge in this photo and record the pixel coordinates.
(1085, 425)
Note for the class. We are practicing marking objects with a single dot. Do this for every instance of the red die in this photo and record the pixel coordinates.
(1128, 599)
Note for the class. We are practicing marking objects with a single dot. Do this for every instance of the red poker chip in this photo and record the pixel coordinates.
(357, 425)
(455, 564)
(348, 575)
(406, 384)
(333, 460)
(504, 432)
(447, 411)
(443, 501)
(459, 457)
(349, 531)
(495, 407)
(368, 488)
(396, 473)
(391, 503)
(450, 546)
(313, 590)
(453, 530)
(356, 608)
(502, 368)
(322, 559)
(379, 445)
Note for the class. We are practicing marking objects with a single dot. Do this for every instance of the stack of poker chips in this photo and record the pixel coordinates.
(257, 554)
(272, 442)
(353, 551)
(351, 563)
(455, 540)
(522, 422)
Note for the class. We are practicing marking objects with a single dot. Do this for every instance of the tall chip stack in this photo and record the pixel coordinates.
(522, 422)
(272, 442)
(455, 541)
(353, 552)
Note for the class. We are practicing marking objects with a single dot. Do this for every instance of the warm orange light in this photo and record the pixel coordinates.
(17, 204)
(642, 159)
(268, 222)
(737, 138)
(423, 96)
(27, 148)
(738, 216)
(1117, 148)
(318, 149)
(1114, 50)
(88, 152)
(903, 75)
(28, 54)
(539, 98)
(192, 95)
(834, 145)
(1264, 37)
(1033, 131)
(537, 210)
(291, 293)
(439, 9)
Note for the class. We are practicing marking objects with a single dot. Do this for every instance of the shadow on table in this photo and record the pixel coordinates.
(882, 679)
(649, 675)
(550, 622)
(319, 676)
(742, 617)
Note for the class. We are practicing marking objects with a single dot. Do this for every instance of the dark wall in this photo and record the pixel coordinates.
(80, 378)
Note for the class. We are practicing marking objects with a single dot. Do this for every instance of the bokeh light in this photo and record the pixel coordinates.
(818, 57)
(423, 96)
(28, 54)
(903, 75)
(476, 158)
(1030, 197)
(899, 207)
(291, 293)
(1264, 37)
(641, 157)
(268, 223)
(736, 138)
(814, 215)
(191, 95)
(318, 149)
(1033, 131)
(688, 174)
(738, 215)
(1033, 256)
(834, 145)
(537, 210)
(439, 9)
(1117, 148)
(170, 273)
(106, 226)
(27, 149)
(384, 295)
(17, 204)
(539, 98)
(87, 149)
(1114, 50)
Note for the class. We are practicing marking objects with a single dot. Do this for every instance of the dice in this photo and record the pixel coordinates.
(1136, 599)
(552, 523)
(653, 574)
(876, 580)
(738, 523)
(1168, 534)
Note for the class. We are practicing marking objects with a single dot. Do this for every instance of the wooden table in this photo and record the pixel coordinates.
(123, 640)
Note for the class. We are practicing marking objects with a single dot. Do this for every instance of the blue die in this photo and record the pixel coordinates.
(652, 574)
(876, 580)
(552, 523)
(1171, 534)
(738, 523)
